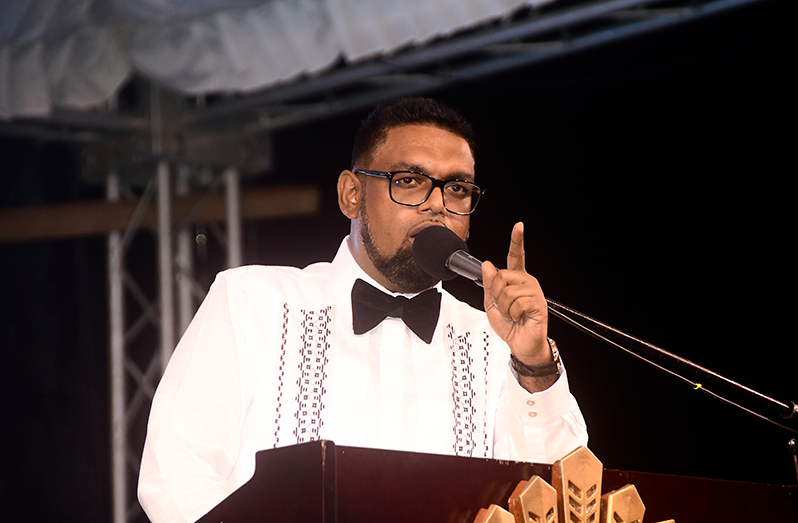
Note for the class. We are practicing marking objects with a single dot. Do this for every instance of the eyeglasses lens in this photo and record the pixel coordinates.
(414, 189)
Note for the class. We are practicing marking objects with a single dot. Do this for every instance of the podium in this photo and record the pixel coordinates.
(320, 482)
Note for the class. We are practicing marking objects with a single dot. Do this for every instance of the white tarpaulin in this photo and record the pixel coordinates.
(75, 54)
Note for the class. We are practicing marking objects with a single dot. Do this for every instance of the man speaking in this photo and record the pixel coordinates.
(368, 350)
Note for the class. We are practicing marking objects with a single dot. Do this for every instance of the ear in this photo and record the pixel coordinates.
(349, 191)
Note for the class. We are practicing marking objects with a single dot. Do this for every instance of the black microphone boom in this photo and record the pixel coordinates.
(465, 265)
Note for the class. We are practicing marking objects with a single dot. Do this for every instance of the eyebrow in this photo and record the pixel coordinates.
(404, 166)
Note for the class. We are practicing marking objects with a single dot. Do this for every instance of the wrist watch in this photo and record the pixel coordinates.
(537, 371)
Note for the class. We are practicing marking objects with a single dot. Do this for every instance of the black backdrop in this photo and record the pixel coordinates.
(651, 176)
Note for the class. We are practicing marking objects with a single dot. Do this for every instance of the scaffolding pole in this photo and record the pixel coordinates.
(166, 272)
(116, 316)
(232, 185)
(184, 261)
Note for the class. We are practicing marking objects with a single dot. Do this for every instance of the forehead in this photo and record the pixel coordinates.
(431, 148)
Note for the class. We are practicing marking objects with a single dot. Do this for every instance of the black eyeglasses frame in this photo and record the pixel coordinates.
(388, 175)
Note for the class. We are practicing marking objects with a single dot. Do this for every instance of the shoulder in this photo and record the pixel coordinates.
(460, 310)
(466, 322)
(273, 280)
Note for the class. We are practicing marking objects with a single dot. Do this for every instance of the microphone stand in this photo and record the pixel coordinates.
(658, 357)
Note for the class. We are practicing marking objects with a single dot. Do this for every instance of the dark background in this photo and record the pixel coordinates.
(652, 179)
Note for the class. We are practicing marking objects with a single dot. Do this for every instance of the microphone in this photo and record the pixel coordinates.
(443, 255)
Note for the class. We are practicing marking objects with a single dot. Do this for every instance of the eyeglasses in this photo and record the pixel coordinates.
(412, 189)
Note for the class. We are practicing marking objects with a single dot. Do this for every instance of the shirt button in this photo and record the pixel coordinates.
(531, 403)
(533, 414)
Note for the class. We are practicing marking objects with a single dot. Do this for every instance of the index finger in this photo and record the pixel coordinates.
(516, 259)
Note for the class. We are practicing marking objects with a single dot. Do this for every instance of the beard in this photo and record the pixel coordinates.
(399, 268)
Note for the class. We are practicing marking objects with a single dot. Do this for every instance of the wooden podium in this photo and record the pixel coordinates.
(320, 482)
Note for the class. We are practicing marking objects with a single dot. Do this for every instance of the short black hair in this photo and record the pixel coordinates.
(374, 128)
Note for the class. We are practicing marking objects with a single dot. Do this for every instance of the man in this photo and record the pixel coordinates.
(278, 356)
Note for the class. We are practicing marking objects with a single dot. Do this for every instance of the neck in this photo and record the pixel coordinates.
(398, 273)
(364, 262)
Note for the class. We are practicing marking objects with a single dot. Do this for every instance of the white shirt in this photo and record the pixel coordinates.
(270, 359)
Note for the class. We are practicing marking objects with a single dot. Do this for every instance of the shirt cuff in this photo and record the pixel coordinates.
(539, 408)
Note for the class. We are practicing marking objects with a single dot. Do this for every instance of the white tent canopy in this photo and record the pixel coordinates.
(75, 54)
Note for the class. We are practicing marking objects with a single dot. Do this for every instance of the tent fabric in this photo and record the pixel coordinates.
(75, 54)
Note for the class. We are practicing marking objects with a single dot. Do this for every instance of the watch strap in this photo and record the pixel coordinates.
(544, 369)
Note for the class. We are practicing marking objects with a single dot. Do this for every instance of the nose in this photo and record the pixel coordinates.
(434, 201)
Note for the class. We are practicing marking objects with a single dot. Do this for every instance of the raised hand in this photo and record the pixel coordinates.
(516, 306)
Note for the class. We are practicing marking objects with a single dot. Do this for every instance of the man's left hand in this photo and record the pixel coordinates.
(516, 306)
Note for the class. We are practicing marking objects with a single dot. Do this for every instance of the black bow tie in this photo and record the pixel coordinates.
(370, 306)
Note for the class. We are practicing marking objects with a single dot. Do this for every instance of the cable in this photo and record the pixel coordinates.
(695, 385)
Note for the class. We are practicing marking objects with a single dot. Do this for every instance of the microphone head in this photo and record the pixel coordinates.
(432, 248)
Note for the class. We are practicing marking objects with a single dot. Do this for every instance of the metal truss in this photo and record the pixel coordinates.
(521, 39)
(136, 363)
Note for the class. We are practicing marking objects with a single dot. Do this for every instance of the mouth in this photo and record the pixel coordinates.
(420, 227)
